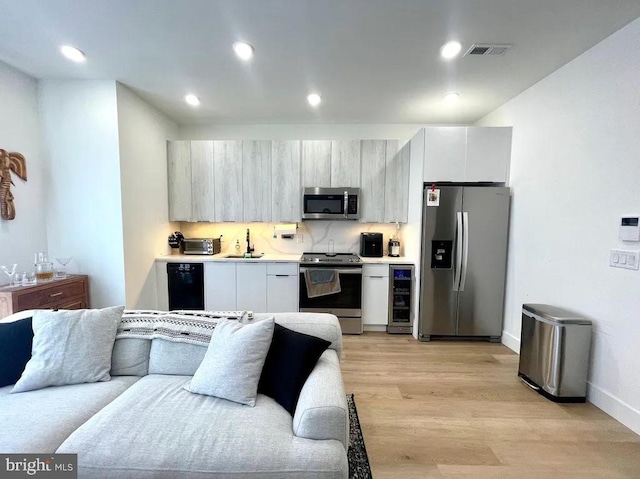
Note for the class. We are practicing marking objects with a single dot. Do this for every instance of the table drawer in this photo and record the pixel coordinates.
(76, 303)
(51, 295)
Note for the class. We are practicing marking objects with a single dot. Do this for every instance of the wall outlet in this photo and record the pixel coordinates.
(300, 238)
(624, 259)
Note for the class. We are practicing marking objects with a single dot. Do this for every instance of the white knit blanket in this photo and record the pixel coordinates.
(194, 327)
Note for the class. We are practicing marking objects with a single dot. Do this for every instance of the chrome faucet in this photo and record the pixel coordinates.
(249, 248)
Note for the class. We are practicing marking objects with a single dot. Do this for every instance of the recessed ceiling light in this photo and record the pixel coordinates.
(243, 50)
(72, 53)
(314, 99)
(452, 97)
(450, 50)
(192, 100)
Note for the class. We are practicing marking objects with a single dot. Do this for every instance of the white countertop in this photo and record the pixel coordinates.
(269, 257)
(222, 257)
(386, 260)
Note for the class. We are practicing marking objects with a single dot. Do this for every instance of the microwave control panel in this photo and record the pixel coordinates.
(353, 205)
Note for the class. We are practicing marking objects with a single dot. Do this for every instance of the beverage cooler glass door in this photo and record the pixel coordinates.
(400, 299)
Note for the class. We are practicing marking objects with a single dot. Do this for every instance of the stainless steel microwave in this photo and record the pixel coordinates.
(331, 203)
(201, 245)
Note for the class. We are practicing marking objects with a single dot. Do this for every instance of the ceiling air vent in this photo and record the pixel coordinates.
(488, 49)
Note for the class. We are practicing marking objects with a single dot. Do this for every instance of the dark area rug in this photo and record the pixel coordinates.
(358, 460)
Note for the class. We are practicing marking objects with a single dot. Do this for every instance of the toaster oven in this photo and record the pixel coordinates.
(201, 245)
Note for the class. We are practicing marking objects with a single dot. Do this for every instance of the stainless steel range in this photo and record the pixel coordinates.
(346, 304)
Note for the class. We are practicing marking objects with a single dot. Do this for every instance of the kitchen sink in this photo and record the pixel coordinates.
(241, 256)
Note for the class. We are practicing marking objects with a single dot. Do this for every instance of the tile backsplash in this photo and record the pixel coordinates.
(312, 236)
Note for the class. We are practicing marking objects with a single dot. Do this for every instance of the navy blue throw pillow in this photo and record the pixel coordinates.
(15, 350)
(291, 358)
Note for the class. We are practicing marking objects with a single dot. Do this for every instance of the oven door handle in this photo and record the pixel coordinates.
(338, 270)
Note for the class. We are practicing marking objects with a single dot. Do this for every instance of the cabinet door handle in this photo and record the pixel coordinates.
(282, 275)
(55, 294)
(378, 277)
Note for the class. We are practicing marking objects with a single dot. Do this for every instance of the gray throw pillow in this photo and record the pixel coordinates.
(233, 363)
(70, 347)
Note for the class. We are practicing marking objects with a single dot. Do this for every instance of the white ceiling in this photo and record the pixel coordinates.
(373, 61)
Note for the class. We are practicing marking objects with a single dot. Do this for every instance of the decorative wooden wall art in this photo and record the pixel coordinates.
(10, 161)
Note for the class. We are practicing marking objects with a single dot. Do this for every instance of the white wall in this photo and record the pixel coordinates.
(575, 170)
(143, 133)
(84, 209)
(20, 131)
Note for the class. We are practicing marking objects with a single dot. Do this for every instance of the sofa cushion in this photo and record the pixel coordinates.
(181, 359)
(39, 421)
(15, 349)
(291, 358)
(70, 347)
(156, 429)
(232, 365)
(130, 357)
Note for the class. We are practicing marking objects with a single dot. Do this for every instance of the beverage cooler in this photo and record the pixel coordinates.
(400, 299)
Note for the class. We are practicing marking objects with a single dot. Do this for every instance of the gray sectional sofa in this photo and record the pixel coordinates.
(143, 424)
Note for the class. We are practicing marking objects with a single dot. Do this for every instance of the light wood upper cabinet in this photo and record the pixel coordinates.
(256, 180)
(286, 192)
(179, 176)
(372, 182)
(202, 181)
(227, 161)
(246, 181)
(316, 163)
(345, 163)
(467, 154)
(396, 185)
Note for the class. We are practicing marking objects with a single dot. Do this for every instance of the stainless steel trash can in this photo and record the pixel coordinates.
(554, 352)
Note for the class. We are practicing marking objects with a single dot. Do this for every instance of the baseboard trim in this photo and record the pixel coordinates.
(374, 327)
(510, 341)
(614, 407)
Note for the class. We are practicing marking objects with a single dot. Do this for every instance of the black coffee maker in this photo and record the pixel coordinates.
(371, 245)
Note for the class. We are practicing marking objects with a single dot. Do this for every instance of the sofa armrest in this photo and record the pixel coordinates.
(321, 412)
(321, 325)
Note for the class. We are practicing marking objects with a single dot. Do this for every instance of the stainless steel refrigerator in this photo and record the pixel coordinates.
(464, 254)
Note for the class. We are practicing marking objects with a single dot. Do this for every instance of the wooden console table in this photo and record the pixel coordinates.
(69, 293)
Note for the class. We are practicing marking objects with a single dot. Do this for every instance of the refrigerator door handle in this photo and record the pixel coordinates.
(458, 272)
(465, 249)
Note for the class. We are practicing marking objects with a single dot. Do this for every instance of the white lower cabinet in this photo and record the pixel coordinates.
(261, 287)
(282, 287)
(375, 294)
(219, 286)
(282, 293)
(251, 287)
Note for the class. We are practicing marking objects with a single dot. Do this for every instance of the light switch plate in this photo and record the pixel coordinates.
(624, 259)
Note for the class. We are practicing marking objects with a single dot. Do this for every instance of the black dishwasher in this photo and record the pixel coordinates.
(186, 285)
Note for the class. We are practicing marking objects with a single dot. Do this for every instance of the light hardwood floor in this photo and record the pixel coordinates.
(458, 410)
